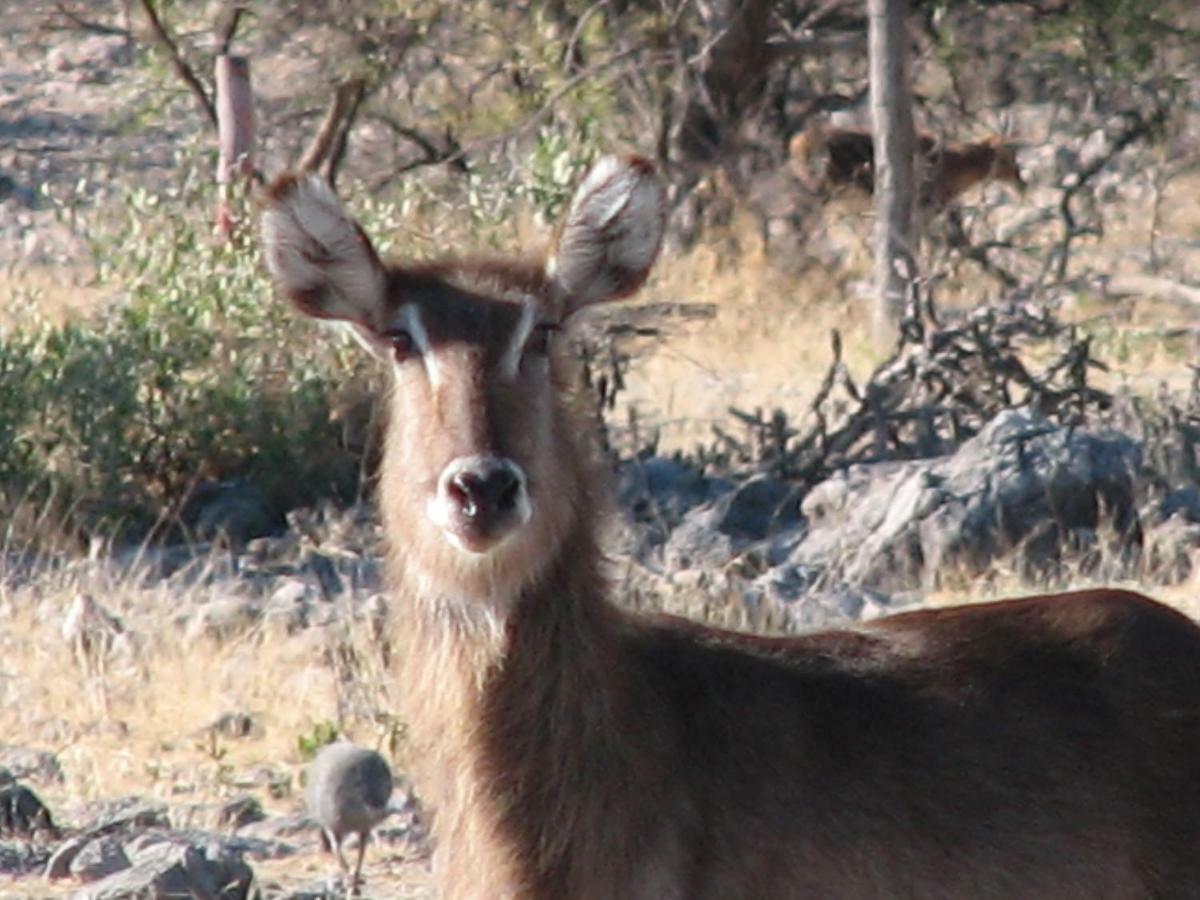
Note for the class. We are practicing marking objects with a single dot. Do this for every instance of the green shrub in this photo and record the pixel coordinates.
(195, 372)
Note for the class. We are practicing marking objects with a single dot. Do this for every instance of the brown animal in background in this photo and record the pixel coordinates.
(832, 158)
(1046, 747)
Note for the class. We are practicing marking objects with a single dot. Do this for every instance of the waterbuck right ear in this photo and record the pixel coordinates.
(319, 257)
(610, 236)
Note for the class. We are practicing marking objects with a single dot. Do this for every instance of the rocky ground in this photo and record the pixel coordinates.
(1053, 503)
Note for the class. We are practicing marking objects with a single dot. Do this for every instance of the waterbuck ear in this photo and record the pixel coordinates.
(610, 236)
(319, 257)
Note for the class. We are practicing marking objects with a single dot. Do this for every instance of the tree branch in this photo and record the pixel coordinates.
(88, 25)
(178, 63)
(227, 27)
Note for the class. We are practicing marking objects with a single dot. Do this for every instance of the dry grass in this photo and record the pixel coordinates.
(768, 346)
(53, 294)
(140, 725)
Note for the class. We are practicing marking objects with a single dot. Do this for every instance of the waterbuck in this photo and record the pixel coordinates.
(1045, 747)
(828, 159)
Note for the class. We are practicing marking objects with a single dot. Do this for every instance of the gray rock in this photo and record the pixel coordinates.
(95, 52)
(22, 813)
(228, 816)
(125, 814)
(227, 847)
(174, 870)
(19, 858)
(225, 619)
(273, 550)
(656, 493)
(239, 812)
(712, 534)
(276, 828)
(1022, 482)
(1171, 549)
(805, 599)
(59, 864)
(235, 511)
(29, 764)
(1183, 502)
(234, 725)
(322, 567)
(99, 858)
(290, 606)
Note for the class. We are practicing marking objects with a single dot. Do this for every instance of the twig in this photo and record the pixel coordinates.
(178, 63)
(1137, 126)
(227, 28)
(89, 25)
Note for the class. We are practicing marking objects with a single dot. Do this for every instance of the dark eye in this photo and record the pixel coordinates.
(539, 339)
(403, 345)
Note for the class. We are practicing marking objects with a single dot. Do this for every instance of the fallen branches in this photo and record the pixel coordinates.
(941, 385)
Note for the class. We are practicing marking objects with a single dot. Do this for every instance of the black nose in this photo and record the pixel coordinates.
(486, 490)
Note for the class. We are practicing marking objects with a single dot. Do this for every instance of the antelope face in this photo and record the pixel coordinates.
(481, 479)
(471, 443)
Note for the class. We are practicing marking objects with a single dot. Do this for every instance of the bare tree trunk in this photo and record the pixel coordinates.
(891, 113)
(733, 79)
(235, 131)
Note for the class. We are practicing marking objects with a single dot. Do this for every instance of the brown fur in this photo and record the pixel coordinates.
(1045, 748)
(839, 158)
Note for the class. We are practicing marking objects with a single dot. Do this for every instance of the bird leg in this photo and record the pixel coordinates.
(336, 844)
(362, 848)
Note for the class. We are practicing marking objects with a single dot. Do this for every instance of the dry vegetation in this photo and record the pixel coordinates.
(138, 727)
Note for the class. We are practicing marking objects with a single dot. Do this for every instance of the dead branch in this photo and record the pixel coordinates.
(178, 63)
(450, 150)
(1137, 126)
(458, 154)
(940, 386)
(89, 25)
(227, 27)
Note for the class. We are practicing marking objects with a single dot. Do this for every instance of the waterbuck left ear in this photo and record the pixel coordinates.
(320, 258)
(610, 235)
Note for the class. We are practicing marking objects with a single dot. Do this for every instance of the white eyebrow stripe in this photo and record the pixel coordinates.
(511, 363)
(413, 323)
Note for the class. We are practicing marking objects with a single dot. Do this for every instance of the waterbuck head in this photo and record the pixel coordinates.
(482, 482)
(1004, 165)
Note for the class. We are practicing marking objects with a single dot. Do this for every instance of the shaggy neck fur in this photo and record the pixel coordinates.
(501, 696)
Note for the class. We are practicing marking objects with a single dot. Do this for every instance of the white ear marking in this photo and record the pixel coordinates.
(510, 363)
(410, 315)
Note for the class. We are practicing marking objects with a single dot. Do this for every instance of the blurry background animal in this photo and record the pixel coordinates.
(828, 159)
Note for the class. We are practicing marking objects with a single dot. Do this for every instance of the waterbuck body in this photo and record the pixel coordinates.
(1047, 747)
(835, 158)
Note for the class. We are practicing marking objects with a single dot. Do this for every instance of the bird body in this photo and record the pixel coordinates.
(349, 788)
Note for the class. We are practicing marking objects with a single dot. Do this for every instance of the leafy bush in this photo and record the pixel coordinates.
(196, 372)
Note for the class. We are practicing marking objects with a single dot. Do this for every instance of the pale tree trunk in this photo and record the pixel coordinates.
(891, 113)
(235, 135)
